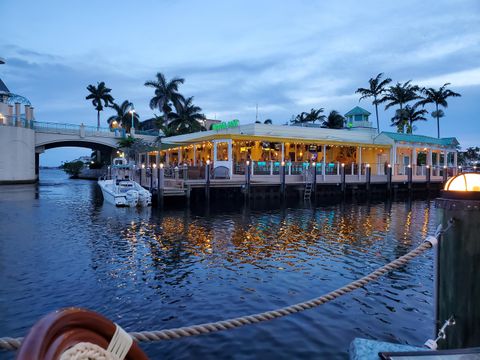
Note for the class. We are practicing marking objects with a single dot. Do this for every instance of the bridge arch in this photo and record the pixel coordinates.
(104, 146)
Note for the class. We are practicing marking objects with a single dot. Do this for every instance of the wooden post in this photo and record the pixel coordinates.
(389, 179)
(160, 184)
(207, 180)
(314, 183)
(342, 176)
(428, 176)
(368, 176)
(151, 179)
(409, 177)
(282, 179)
(247, 179)
(457, 290)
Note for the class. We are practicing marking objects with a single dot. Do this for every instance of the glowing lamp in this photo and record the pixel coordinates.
(248, 163)
(343, 165)
(143, 166)
(208, 162)
(283, 163)
(389, 165)
(154, 165)
(463, 182)
(161, 165)
(368, 165)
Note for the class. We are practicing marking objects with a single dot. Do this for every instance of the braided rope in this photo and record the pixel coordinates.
(8, 343)
(87, 351)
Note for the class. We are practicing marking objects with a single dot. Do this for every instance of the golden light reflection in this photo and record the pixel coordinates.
(293, 240)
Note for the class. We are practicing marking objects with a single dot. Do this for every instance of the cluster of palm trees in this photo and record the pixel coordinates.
(178, 114)
(401, 95)
(334, 120)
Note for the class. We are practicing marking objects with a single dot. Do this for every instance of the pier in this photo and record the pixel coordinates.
(200, 181)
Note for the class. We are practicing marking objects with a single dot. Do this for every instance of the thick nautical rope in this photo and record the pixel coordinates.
(207, 328)
(87, 351)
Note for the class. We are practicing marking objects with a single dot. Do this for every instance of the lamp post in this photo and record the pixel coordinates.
(132, 112)
(457, 263)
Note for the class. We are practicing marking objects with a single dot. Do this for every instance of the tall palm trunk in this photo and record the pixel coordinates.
(98, 119)
(438, 121)
(376, 113)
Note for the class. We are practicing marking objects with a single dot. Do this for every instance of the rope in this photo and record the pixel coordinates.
(87, 351)
(207, 328)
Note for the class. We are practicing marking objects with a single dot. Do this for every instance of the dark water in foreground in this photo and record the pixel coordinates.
(61, 246)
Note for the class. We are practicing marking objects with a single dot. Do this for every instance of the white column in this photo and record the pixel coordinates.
(148, 160)
(429, 158)
(414, 161)
(445, 158)
(157, 158)
(194, 155)
(283, 151)
(214, 151)
(359, 161)
(324, 161)
(229, 150)
(230, 156)
(438, 163)
(180, 155)
(167, 157)
(394, 159)
(455, 162)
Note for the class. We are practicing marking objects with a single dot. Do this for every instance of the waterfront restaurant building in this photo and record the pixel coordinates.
(230, 145)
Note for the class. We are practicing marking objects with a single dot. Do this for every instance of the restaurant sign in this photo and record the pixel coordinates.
(226, 125)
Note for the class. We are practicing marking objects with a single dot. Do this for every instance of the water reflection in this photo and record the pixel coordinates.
(148, 269)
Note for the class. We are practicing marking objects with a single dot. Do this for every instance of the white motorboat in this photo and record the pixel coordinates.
(119, 188)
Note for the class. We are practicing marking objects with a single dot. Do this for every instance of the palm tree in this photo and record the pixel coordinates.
(439, 98)
(187, 118)
(406, 117)
(97, 95)
(376, 89)
(400, 94)
(123, 116)
(166, 93)
(314, 115)
(334, 120)
(299, 119)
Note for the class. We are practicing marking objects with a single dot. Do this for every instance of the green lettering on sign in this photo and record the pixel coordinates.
(226, 125)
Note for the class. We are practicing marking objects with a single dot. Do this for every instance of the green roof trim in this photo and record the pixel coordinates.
(451, 141)
(357, 110)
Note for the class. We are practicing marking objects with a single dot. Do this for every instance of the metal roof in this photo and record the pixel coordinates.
(451, 141)
(357, 110)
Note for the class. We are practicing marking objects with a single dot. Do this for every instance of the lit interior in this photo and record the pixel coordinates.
(464, 182)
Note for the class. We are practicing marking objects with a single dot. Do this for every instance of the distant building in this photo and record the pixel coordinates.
(358, 117)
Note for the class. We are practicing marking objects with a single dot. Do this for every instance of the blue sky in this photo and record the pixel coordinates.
(287, 56)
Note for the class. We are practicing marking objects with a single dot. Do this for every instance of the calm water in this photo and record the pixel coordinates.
(61, 246)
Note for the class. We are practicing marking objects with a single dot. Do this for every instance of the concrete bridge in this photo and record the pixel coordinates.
(22, 141)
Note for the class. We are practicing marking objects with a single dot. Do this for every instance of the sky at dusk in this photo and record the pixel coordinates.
(285, 56)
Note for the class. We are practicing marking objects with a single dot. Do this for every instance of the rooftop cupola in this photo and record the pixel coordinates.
(357, 117)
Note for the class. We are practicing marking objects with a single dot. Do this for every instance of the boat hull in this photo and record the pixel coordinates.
(120, 199)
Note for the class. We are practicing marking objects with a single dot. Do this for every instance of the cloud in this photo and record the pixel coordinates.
(464, 78)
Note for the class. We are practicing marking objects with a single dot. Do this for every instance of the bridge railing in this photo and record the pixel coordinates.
(8, 120)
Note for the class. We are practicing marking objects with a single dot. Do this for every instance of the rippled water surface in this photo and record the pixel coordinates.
(61, 246)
